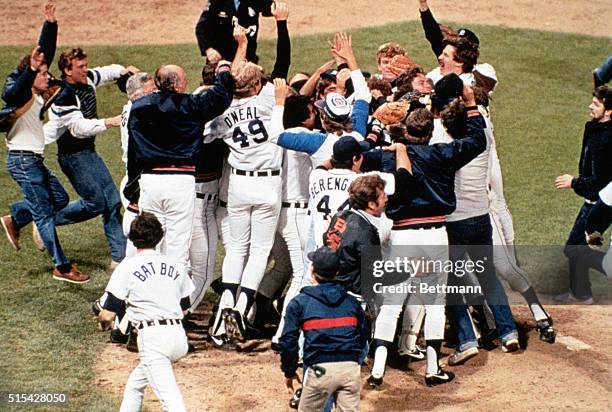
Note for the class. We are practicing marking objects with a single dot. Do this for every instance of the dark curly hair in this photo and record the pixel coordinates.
(146, 231)
(465, 52)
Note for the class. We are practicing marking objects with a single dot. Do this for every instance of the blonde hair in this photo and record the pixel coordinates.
(247, 77)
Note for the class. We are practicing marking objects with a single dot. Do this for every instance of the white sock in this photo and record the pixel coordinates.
(432, 361)
(538, 312)
(380, 360)
(242, 303)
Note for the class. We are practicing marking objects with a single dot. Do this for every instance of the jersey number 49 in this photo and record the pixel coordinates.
(255, 128)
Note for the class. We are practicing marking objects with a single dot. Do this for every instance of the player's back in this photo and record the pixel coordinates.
(246, 128)
(328, 195)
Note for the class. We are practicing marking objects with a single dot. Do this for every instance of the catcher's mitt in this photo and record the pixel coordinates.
(400, 63)
(392, 112)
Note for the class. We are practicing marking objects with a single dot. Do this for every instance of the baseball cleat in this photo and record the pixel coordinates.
(441, 377)
(222, 342)
(74, 276)
(547, 332)
(12, 233)
(374, 382)
(234, 325)
(511, 345)
(458, 357)
(40, 245)
(414, 354)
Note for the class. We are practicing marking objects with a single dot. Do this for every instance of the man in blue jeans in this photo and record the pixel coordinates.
(43, 193)
(594, 173)
(74, 124)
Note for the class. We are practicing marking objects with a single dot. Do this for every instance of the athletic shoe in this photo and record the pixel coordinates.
(415, 354)
(441, 377)
(12, 233)
(96, 308)
(37, 239)
(511, 345)
(375, 382)
(74, 276)
(294, 402)
(547, 332)
(458, 357)
(222, 342)
(570, 299)
(234, 325)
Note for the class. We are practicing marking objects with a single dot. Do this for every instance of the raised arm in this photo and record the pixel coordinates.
(433, 34)
(280, 11)
(48, 34)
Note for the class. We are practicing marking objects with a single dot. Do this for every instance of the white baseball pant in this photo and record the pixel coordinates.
(128, 218)
(204, 239)
(171, 197)
(158, 347)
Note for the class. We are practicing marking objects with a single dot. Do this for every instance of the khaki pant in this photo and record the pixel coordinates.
(342, 379)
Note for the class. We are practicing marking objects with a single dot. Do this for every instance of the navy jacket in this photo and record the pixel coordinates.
(166, 128)
(357, 243)
(216, 24)
(430, 190)
(334, 325)
(594, 169)
(17, 89)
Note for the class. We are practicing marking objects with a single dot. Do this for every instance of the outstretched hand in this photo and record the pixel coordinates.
(342, 48)
(280, 10)
(289, 383)
(280, 91)
(49, 11)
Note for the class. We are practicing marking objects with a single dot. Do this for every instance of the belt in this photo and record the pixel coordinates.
(207, 177)
(24, 153)
(256, 173)
(420, 223)
(156, 322)
(171, 169)
(206, 196)
(222, 203)
(297, 205)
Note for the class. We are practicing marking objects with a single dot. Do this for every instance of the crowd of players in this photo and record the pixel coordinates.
(307, 182)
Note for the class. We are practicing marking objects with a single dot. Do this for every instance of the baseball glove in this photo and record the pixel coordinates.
(392, 112)
(400, 63)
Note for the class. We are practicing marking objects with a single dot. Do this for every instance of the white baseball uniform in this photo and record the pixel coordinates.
(130, 211)
(152, 286)
(253, 203)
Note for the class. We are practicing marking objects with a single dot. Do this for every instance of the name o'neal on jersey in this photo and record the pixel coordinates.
(240, 115)
(162, 269)
(340, 183)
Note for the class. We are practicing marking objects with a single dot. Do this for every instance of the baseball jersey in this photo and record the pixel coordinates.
(297, 167)
(152, 285)
(246, 127)
(328, 196)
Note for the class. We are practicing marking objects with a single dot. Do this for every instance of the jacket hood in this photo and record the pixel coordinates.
(332, 294)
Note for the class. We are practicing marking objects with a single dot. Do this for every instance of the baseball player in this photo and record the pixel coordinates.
(153, 290)
(253, 203)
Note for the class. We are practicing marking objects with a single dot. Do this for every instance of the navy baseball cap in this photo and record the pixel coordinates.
(348, 147)
(335, 106)
(469, 34)
(446, 90)
(325, 262)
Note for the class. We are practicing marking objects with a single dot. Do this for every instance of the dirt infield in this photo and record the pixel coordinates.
(570, 374)
(162, 22)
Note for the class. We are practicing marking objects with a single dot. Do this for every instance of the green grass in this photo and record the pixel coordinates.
(48, 338)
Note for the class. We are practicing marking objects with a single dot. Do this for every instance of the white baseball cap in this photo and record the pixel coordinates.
(335, 106)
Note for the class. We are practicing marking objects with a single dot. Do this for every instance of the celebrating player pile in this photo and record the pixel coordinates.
(308, 182)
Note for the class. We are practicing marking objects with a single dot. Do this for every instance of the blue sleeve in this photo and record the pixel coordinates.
(460, 152)
(18, 87)
(216, 100)
(308, 142)
(48, 41)
(288, 342)
(359, 117)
